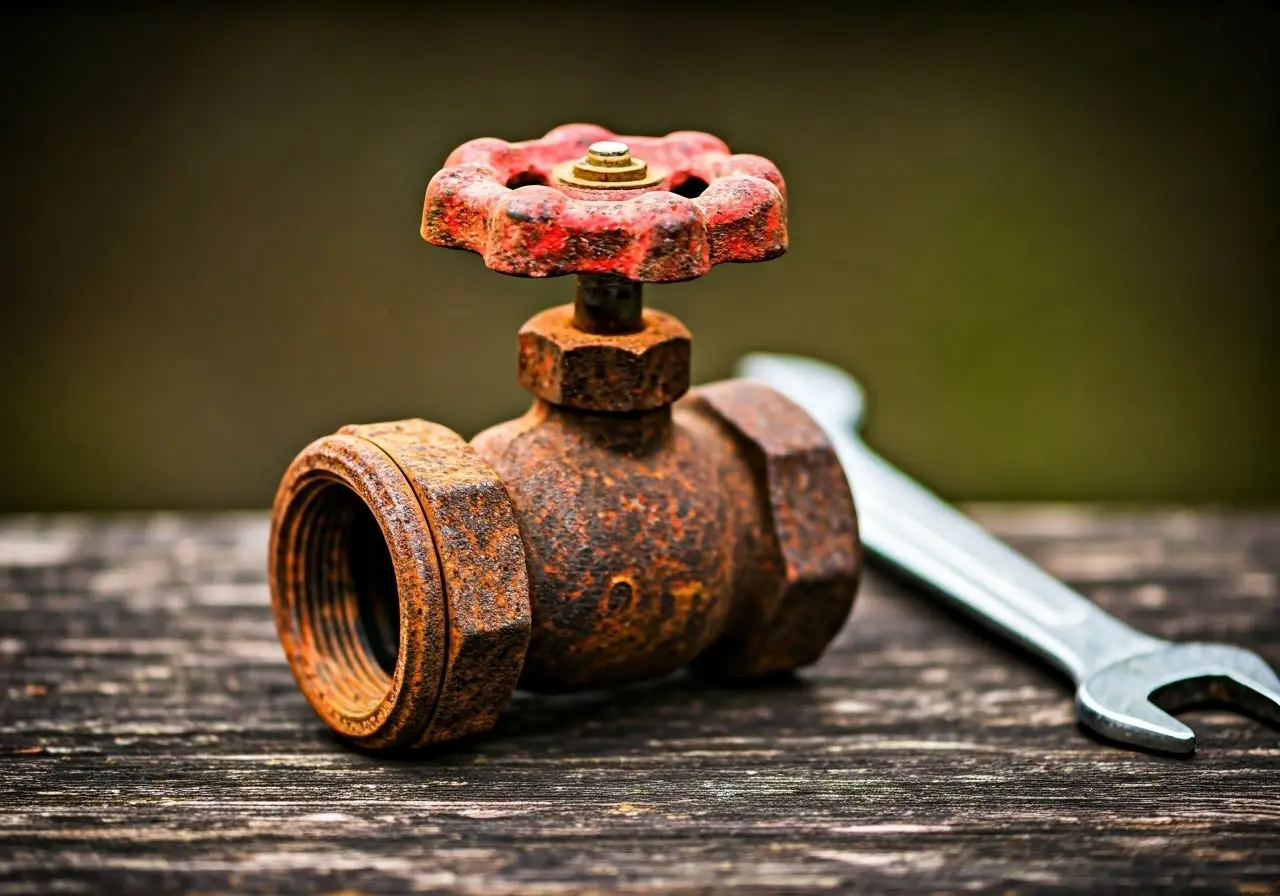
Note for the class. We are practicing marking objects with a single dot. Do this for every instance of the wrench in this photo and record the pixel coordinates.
(1120, 673)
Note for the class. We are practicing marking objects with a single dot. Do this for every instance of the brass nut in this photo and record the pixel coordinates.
(622, 372)
(608, 164)
(807, 570)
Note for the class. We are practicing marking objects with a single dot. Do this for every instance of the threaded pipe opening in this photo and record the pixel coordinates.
(346, 597)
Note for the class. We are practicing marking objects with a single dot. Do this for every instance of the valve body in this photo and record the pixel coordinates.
(618, 531)
(678, 535)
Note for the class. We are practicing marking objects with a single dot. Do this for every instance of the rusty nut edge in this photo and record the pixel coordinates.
(613, 373)
(805, 575)
(461, 584)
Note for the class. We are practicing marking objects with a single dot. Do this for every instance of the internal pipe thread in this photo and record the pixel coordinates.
(341, 589)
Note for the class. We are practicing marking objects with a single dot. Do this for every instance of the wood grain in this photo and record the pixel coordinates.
(151, 739)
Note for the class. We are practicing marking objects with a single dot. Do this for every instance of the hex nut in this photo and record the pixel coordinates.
(592, 372)
(806, 570)
(457, 575)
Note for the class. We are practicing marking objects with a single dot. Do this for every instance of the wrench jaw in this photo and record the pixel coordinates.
(1129, 701)
(1136, 680)
(1116, 704)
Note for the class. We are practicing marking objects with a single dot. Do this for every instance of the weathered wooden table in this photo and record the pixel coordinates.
(151, 739)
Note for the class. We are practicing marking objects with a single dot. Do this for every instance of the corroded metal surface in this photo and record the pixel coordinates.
(482, 563)
(659, 537)
(616, 532)
(626, 528)
(604, 372)
(428, 648)
(799, 581)
(319, 604)
(545, 228)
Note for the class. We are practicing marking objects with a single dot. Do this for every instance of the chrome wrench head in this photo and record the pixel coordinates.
(1127, 700)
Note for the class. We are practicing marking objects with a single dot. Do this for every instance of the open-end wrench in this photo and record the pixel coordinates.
(1120, 673)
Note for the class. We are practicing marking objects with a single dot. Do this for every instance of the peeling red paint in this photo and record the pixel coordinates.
(654, 235)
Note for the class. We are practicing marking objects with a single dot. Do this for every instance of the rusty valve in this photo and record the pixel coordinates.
(621, 529)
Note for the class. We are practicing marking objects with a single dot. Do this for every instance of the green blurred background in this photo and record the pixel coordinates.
(1045, 239)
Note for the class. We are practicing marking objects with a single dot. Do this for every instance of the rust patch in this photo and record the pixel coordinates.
(625, 529)
(617, 372)
(460, 585)
(719, 532)
(482, 560)
(326, 620)
(799, 582)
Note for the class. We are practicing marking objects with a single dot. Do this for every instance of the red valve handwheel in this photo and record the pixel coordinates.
(582, 200)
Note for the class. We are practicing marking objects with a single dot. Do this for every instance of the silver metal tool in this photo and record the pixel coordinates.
(1120, 673)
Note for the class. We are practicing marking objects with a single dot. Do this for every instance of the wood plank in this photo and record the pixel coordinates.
(151, 738)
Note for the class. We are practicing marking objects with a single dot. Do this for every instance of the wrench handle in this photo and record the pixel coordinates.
(908, 528)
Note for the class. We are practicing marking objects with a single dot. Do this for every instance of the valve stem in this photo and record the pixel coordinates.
(608, 304)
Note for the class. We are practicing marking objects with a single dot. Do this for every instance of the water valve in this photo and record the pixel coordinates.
(625, 526)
